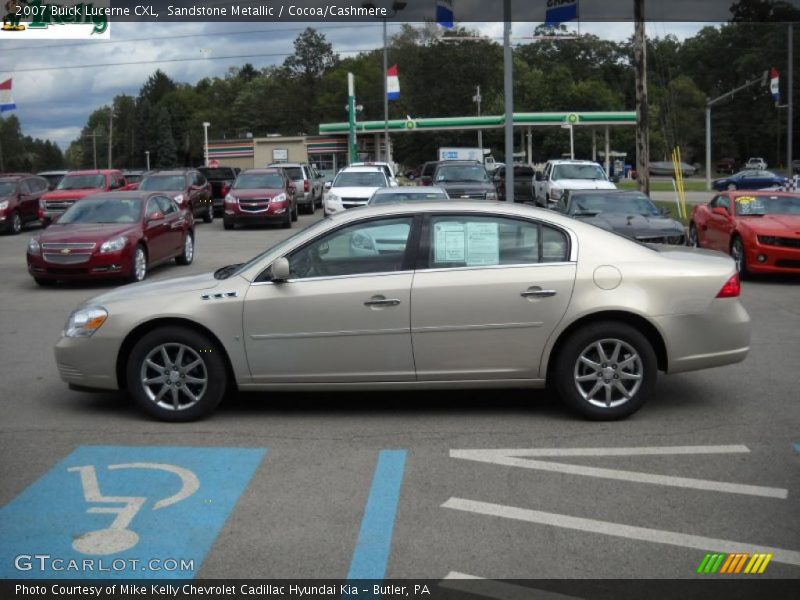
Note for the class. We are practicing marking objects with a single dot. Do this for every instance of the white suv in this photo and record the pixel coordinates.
(353, 187)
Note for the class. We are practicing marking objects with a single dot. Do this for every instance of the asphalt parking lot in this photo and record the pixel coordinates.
(331, 485)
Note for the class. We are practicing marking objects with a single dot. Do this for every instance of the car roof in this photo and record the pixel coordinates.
(287, 164)
(261, 170)
(169, 172)
(13, 177)
(361, 170)
(444, 163)
(744, 193)
(93, 172)
(569, 161)
(52, 172)
(137, 194)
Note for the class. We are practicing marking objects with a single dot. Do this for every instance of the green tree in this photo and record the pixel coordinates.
(164, 147)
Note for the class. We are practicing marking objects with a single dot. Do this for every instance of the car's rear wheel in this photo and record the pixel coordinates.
(739, 256)
(15, 225)
(694, 240)
(294, 211)
(226, 224)
(287, 219)
(139, 264)
(176, 374)
(188, 250)
(606, 371)
(312, 207)
(208, 215)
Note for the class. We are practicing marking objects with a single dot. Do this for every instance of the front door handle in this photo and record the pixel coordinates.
(378, 301)
(537, 292)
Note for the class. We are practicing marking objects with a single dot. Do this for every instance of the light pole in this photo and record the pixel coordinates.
(477, 100)
(396, 7)
(508, 91)
(147, 158)
(206, 125)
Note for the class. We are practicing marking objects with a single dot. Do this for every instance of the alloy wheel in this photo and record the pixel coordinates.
(608, 373)
(188, 248)
(737, 253)
(16, 223)
(139, 264)
(173, 376)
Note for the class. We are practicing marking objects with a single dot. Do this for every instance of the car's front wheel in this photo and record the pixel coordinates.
(15, 226)
(176, 374)
(606, 371)
(694, 239)
(208, 215)
(139, 264)
(739, 256)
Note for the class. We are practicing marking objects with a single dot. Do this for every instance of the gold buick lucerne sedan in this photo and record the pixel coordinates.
(402, 297)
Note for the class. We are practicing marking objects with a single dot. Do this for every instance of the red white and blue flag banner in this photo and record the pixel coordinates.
(774, 84)
(6, 102)
(560, 11)
(444, 13)
(392, 83)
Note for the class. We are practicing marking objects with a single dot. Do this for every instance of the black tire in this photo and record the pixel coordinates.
(208, 215)
(739, 256)
(134, 277)
(197, 347)
(15, 223)
(583, 342)
(294, 212)
(187, 256)
(287, 220)
(44, 282)
(226, 224)
(311, 208)
(694, 239)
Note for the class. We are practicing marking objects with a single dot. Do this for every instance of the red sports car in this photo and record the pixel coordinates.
(112, 235)
(759, 229)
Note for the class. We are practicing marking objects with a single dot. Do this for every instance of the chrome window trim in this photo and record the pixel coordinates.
(335, 277)
(495, 267)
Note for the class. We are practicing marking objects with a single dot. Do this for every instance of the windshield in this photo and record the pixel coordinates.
(254, 181)
(106, 210)
(82, 182)
(163, 183)
(617, 204)
(406, 196)
(360, 179)
(459, 173)
(294, 173)
(764, 204)
(578, 172)
(7, 188)
(321, 224)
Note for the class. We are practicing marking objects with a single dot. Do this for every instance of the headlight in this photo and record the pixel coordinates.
(279, 198)
(4, 205)
(491, 195)
(34, 247)
(229, 199)
(555, 194)
(85, 321)
(331, 197)
(113, 245)
(178, 198)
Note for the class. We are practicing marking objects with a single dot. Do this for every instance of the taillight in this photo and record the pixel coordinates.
(732, 288)
(305, 185)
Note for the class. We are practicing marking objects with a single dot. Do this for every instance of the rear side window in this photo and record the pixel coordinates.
(24, 187)
(478, 241)
(294, 173)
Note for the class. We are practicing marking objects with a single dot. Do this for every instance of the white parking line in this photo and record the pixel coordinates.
(519, 458)
(658, 536)
(497, 589)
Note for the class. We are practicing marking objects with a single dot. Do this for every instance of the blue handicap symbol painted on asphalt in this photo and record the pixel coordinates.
(123, 511)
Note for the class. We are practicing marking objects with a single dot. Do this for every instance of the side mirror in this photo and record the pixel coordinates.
(328, 185)
(156, 216)
(666, 211)
(723, 212)
(280, 270)
(538, 177)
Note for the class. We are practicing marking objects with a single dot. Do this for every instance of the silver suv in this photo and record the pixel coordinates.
(308, 181)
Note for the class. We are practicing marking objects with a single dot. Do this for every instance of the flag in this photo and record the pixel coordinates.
(6, 102)
(774, 84)
(559, 11)
(444, 13)
(392, 83)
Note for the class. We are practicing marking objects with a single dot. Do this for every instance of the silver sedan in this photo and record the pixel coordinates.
(412, 296)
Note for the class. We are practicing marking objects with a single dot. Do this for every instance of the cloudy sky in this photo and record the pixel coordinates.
(56, 88)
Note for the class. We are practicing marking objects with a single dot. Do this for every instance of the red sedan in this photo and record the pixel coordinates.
(759, 229)
(261, 196)
(112, 235)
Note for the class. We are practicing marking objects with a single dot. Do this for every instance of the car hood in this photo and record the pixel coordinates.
(636, 226)
(85, 232)
(70, 194)
(159, 288)
(258, 193)
(773, 224)
(584, 184)
(354, 192)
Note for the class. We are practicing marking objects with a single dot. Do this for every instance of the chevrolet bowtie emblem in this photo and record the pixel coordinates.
(65, 251)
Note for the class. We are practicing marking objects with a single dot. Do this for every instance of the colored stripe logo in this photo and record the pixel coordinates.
(734, 564)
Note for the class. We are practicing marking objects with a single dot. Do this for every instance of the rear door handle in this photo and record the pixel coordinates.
(381, 301)
(537, 292)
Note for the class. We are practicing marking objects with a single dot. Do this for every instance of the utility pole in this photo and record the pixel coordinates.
(94, 135)
(477, 99)
(790, 102)
(508, 91)
(110, 129)
(642, 121)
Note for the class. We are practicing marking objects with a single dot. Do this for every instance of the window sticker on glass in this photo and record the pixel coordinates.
(751, 205)
(449, 242)
(483, 244)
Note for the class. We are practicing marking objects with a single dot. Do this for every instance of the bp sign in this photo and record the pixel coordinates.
(411, 124)
(573, 118)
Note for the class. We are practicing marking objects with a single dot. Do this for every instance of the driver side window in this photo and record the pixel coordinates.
(362, 248)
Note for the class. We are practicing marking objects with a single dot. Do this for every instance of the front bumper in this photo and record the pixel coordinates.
(763, 258)
(99, 266)
(276, 213)
(720, 336)
(88, 362)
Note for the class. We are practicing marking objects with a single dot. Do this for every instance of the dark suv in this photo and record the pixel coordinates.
(221, 179)
(19, 200)
(188, 188)
(464, 180)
